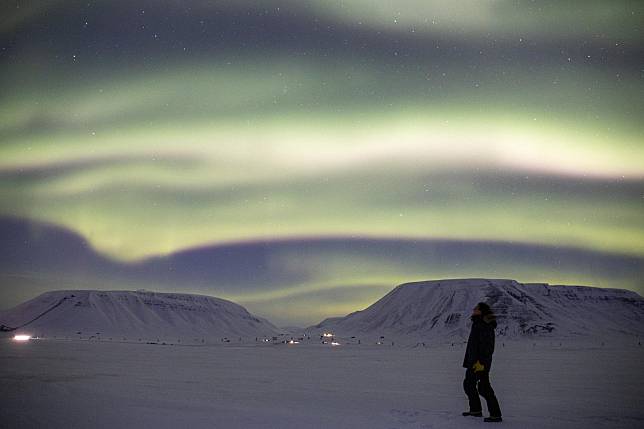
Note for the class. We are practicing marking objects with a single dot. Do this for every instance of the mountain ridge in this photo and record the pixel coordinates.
(440, 309)
(124, 313)
(436, 310)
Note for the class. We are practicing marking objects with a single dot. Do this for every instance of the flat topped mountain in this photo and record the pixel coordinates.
(131, 314)
(440, 309)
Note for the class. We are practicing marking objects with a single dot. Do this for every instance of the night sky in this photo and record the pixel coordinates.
(302, 158)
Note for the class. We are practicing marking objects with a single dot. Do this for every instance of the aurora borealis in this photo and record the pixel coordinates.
(421, 139)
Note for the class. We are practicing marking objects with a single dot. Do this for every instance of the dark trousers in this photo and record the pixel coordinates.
(482, 378)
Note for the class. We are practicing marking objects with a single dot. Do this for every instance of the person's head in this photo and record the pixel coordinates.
(481, 309)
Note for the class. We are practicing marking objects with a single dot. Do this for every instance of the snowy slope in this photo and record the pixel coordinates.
(133, 314)
(440, 310)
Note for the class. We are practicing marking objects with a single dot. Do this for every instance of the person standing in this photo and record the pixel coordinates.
(477, 362)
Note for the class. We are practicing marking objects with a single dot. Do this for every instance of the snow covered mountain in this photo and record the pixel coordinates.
(440, 310)
(133, 315)
(432, 310)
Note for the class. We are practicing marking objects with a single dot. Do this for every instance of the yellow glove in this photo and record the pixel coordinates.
(478, 366)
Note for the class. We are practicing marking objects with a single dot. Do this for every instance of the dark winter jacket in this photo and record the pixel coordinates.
(480, 344)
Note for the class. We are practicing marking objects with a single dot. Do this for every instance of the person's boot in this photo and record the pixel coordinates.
(493, 419)
(473, 413)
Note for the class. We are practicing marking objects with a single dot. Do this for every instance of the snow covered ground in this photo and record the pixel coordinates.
(83, 384)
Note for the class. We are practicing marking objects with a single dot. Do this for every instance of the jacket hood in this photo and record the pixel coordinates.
(490, 319)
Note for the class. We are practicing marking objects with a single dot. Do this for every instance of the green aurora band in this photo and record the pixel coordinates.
(149, 157)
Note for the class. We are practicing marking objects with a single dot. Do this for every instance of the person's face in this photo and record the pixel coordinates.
(476, 311)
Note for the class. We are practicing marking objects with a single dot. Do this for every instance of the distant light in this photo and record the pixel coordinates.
(294, 342)
(22, 337)
(335, 343)
(327, 334)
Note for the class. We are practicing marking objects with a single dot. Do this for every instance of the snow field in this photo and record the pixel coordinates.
(80, 384)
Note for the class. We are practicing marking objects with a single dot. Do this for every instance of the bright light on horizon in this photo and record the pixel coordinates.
(22, 337)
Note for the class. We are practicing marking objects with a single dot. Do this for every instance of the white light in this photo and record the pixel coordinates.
(335, 343)
(326, 334)
(22, 337)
